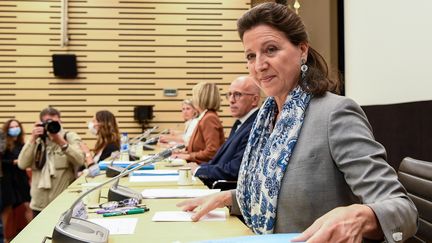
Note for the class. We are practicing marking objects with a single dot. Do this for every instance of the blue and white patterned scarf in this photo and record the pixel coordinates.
(266, 158)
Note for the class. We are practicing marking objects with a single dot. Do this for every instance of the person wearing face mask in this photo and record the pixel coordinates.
(53, 157)
(15, 185)
(104, 126)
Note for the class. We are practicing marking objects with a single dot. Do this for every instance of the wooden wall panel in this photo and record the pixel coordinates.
(127, 52)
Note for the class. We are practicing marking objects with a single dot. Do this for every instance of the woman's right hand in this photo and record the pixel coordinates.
(206, 204)
(163, 139)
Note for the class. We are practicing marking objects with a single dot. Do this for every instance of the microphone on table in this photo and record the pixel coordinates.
(144, 135)
(75, 230)
(154, 140)
(113, 170)
(118, 192)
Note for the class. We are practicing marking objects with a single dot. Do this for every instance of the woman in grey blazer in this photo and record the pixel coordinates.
(311, 163)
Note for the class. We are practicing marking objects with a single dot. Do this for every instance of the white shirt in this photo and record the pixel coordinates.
(189, 129)
(245, 117)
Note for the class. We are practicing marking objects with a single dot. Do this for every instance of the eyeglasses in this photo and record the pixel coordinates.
(129, 202)
(236, 95)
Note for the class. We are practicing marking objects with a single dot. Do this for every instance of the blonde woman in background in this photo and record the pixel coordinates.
(208, 135)
(189, 114)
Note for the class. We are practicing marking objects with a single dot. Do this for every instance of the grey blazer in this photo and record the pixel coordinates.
(337, 162)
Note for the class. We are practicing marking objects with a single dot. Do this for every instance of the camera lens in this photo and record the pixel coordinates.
(52, 126)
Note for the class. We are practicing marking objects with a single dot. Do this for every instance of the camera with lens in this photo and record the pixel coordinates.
(50, 126)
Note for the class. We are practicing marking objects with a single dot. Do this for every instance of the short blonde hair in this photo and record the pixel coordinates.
(206, 96)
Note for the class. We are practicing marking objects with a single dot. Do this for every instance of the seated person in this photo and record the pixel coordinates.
(208, 135)
(243, 97)
(104, 126)
(189, 114)
(311, 164)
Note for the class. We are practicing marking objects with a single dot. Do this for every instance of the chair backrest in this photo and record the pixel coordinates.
(416, 176)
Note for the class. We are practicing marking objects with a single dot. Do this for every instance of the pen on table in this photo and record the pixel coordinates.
(102, 211)
(128, 212)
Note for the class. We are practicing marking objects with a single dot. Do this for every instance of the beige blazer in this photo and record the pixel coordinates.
(59, 166)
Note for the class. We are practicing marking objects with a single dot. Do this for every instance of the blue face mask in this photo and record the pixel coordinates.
(14, 131)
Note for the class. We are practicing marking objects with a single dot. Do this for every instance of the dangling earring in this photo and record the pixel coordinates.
(303, 68)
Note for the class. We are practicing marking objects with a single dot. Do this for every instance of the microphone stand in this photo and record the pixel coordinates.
(75, 230)
(118, 192)
(143, 135)
(112, 170)
(147, 145)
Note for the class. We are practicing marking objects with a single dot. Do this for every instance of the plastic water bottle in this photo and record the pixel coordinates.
(139, 149)
(124, 147)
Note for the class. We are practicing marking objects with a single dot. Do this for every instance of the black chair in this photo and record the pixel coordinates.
(224, 185)
(416, 176)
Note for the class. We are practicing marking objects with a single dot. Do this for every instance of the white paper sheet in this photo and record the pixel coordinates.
(153, 178)
(177, 193)
(180, 216)
(125, 226)
(154, 172)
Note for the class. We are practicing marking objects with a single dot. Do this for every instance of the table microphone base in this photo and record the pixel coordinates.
(79, 231)
(112, 171)
(121, 193)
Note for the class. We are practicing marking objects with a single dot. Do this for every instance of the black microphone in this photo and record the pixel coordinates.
(145, 134)
(153, 140)
(118, 192)
(112, 170)
(75, 230)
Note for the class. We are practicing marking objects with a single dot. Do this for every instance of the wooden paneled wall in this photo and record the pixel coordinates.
(128, 51)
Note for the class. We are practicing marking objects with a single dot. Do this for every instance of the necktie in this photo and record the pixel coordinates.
(235, 126)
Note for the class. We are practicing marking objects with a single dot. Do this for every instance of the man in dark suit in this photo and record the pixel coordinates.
(243, 97)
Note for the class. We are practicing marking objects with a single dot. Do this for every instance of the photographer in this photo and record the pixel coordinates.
(52, 153)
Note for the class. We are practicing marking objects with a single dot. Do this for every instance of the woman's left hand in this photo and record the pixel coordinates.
(181, 156)
(343, 224)
(206, 204)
